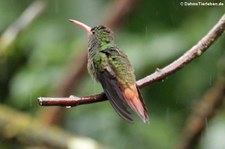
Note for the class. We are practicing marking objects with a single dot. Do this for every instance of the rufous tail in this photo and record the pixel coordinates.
(135, 101)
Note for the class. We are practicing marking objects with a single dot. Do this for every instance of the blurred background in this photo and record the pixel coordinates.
(43, 54)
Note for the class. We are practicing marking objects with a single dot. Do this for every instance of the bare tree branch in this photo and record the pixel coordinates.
(26, 18)
(195, 51)
(203, 112)
(159, 74)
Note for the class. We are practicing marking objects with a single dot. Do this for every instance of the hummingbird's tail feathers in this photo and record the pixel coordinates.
(125, 114)
(135, 101)
(113, 93)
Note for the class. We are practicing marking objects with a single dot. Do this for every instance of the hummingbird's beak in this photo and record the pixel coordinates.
(84, 26)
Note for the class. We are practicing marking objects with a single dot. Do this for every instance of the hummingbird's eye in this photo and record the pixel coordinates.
(93, 30)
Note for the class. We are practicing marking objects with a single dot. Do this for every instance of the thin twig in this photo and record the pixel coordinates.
(158, 75)
(26, 18)
(202, 114)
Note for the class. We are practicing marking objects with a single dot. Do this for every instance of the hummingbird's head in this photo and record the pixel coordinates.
(98, 36)
(101, 34)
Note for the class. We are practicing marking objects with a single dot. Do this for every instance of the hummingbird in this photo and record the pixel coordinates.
(111, 67)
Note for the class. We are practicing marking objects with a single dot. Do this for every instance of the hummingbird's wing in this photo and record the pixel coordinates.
(114, 94)
(118, 81)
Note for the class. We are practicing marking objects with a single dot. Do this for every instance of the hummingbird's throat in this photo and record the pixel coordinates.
(100, 41)
(100, 45)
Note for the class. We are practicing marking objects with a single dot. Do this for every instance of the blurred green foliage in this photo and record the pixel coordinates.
(155, 34)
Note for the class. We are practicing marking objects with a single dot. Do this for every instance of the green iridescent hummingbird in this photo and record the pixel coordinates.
(111, 67)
